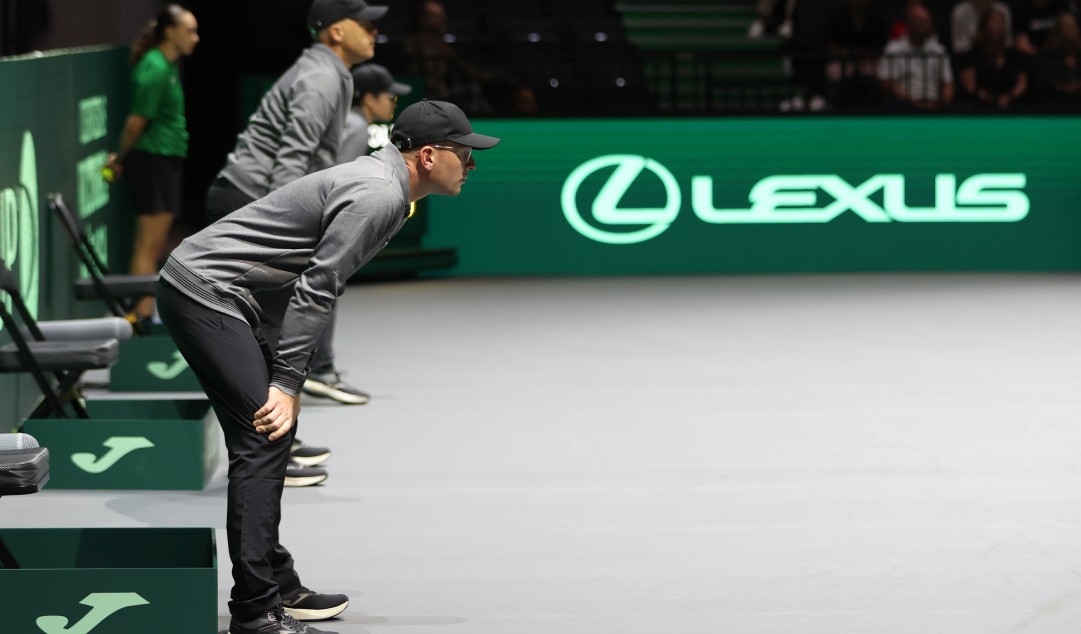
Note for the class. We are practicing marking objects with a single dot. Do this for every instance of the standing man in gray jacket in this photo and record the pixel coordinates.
(375, 97)
(223, 287)
(297, 130)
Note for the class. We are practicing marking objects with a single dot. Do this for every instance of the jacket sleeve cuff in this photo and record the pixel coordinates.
(288, 384)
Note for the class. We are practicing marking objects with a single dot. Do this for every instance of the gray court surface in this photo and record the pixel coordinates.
(865, 454)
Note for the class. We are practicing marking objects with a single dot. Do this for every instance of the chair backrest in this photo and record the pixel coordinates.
(11, 287)
(75, 229)
(72, 224)
(8, 285)
(19, 337)
(7, 279)
(86, 252)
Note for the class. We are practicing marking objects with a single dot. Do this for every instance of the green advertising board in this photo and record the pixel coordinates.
(751, 195)
(62, 114)
(152, 363)
(86, 581)
(147, 444)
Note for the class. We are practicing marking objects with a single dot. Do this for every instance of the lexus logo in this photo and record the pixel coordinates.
(605, 206)
(787, 199)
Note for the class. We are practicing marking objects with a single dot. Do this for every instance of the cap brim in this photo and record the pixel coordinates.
(476, 141)
(399, 89)
(370, 13)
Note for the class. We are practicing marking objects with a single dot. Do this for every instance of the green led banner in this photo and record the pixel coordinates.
(739, 195)
(62, 113)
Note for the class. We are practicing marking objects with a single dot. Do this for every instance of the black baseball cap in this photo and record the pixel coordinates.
(376, 79)
(427, 122)
(323, 13)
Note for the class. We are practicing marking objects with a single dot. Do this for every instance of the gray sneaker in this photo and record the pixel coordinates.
(308, 456)
(297, 475)
(332, 386)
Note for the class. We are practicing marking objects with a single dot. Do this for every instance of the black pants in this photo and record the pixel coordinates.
(232, 362)
(222, 199)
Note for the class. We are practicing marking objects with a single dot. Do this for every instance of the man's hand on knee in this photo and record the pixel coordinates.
(277, 415)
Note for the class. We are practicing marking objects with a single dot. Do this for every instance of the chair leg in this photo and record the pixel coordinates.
(7, 559)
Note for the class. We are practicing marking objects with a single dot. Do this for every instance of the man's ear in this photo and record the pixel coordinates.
(426, 158)
(336, 33)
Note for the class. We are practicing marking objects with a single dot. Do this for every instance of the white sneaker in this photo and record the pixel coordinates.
(297, 475)
(757, 30)
(332, 386)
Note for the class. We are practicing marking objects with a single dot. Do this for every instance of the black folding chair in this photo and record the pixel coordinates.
(24, 469)
(63, 349)
(119, 292)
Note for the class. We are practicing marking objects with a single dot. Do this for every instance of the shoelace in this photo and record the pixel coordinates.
(288, 621)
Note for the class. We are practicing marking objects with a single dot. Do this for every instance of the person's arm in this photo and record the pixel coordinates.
(313, 102)
(947, 90)
(894, 88)
(134, 127)
(363, 214)
(145, 102)
(1020, 87)
(947, 93)
(277, 415)
(1023, 44)
(1006, 99)
(958, 29)
(890, 77)
(968, 80)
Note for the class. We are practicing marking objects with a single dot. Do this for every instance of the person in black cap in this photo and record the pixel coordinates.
(297, 127)
(297, 130)
(375, 97)
(222, 287)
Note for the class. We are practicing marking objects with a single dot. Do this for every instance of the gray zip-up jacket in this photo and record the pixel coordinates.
(354, 136)
(297, 128)
(283, 260)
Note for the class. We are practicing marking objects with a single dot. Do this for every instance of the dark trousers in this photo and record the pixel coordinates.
(232, 362)
(222, 199)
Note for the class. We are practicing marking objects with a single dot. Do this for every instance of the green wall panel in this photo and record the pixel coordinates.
(674, 196)
(62, 114)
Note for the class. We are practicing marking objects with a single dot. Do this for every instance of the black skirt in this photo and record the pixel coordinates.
(154, 182)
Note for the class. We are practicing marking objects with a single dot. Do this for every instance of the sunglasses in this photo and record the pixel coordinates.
(465, 159)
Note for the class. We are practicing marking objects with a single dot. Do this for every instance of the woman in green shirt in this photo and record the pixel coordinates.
(154, 141)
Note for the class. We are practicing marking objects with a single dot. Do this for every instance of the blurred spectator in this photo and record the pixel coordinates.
(447, 77)
(993, 74)
(296, 130)
(915, 69)
(1033, 20)
(375, 97)
(154, 141)
(805, 59)
(965, 22)
(855, 36)
(900, 22)
(1060, 62)
(764, 11)
(525, 101)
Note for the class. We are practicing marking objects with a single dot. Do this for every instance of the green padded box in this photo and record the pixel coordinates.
(151, 363)
(132, 444)
(104, 580)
